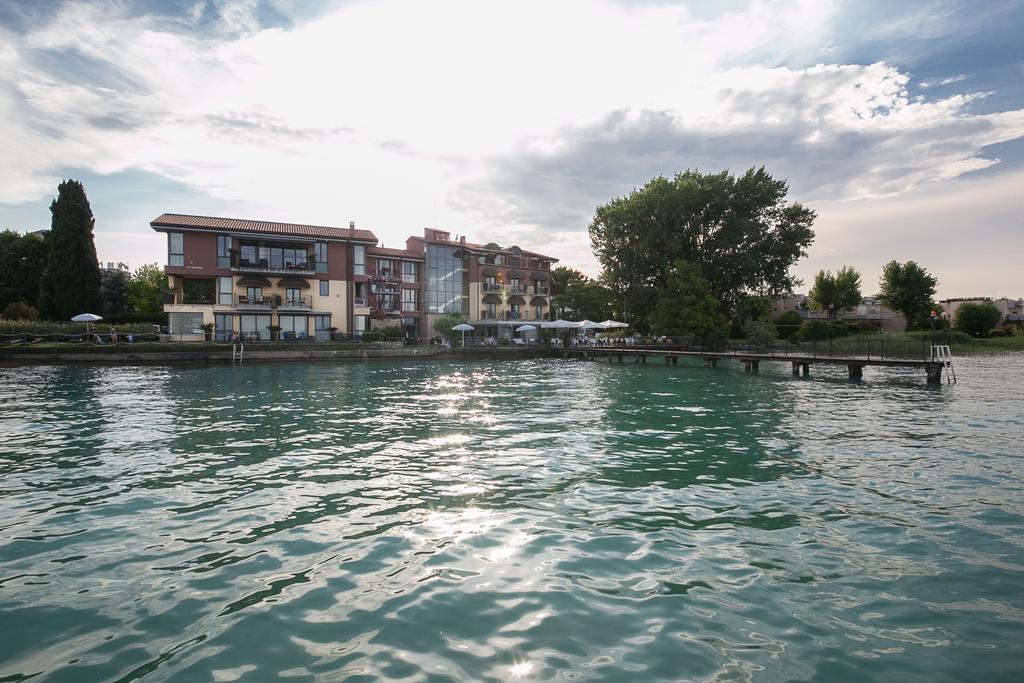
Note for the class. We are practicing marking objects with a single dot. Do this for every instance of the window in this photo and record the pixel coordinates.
(445, 281)
(185, 323)
(360, 323)
(223, 251)
(409, 299)
(224, 325)
(325, 288)
(254, 295)
(292, 324)
(490, 311)
(175, 249)
(254, 327)
(490, 284)
(321, 322)
(360, 294)
(538, 312)
(320, 252)
(408, 271)
(515, 315)
(224, 290)
(513, 283)
(384, 268)
(292, 296)
(359, 260)
(248, 254)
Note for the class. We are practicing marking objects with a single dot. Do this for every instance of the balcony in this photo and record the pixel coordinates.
(273, 265)
(296, 303)
(516, 289)
(491, 287)
(541, 291)
(359, 301)
(255, 303)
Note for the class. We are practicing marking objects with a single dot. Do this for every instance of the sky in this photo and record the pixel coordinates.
(901, 123)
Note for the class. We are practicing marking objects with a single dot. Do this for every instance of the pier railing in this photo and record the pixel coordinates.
(844, 347)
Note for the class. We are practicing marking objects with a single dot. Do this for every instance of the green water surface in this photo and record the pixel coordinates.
(519, 520)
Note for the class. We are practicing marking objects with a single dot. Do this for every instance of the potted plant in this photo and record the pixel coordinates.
(275, 332)
(208, 331)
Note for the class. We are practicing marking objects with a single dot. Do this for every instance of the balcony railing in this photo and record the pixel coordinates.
(543, 291)
(241, 265)
(359, 301)
(298, 302)
(516, 289)
(255, 301)
(492, 287)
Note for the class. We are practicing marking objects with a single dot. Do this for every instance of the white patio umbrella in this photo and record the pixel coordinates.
(526, 328)
(611, 324)
(558, 324)
(86, 318)
(463, 328)
(589, 325)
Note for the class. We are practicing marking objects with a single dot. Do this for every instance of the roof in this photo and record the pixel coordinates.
(397, 253)
(177, 220)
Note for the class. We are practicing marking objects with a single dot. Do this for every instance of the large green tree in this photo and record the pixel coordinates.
(22, 261)
(71, 281)
(578, 296)
(686, 306)
(836, 293)
(977, 319)
(908, 289)
(146, 289)
(738, 231)
(114, 291)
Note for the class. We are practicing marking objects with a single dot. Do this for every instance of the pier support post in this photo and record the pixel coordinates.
(711, 362)
(668, 360)
(750, 366)
(675, 360)
(806, 369)
(643, 359)
(796, 369)
(934, 373)
(856, 371)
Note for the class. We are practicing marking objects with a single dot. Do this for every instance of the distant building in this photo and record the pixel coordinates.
(1012, 310)
(869, 312)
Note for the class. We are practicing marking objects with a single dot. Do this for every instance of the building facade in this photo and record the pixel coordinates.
(1011, 310)
(494, 289)
(258, 279)
(870, 311)
(253, 279)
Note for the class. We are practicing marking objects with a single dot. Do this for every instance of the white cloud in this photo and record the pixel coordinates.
(403, 113)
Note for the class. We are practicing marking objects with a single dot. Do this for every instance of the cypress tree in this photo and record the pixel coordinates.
(71, 283)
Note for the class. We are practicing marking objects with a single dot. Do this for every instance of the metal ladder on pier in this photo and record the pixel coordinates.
(942, 354)
(236, 353)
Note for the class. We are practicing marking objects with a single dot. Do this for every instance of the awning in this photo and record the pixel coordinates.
(292, 283)
(488, 271)
(538, 301)
(492, 299)
(253, 281)
(539, 276)
(517, 300)
(514, 273)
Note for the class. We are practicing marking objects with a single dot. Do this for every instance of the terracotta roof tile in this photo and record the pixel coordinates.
(177, 220)
(398, 253)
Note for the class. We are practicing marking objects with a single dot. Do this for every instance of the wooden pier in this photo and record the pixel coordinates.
(801, 363)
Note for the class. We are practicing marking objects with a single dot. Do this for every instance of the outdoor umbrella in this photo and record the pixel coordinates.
(610, 324)
(86, 318)
(589, 325)
(558, 324)
(526, 328)
(463, 328)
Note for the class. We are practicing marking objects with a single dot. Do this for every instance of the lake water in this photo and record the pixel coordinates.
(519, 520)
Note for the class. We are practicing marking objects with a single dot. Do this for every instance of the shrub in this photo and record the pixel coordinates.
(20, 310)
(977, 320)
(817, 330)
(760, 332)
(788, 325)
(1000, 332)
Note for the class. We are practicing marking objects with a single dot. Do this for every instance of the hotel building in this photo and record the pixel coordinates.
(245, 277)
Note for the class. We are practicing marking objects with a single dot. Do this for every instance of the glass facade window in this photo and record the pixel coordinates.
(320, 252)
(247, 252)
(359, 259)
(445, 282)
(292, 324)
(254, 327)
(490, 311)
(409, 299)
(223, 251)
(408, 271)
(175, 249)
(224, 291)
(185, 323)
(325, 288)
(321, 322)
(385, 268)
(224, 326)
(254, 294)
(292, 296)
(538, 312)
(514, 312)
(361, 322)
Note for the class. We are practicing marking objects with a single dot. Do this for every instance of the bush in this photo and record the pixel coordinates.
(20, 310)
(817, 330)
(136, 318)
(788, 325)
(760, 332)
(977, 320)
(1000, 332)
